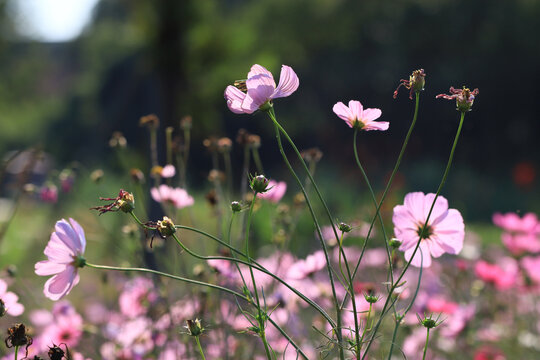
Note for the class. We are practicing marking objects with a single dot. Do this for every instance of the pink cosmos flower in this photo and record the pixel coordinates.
(304, 268)
(64, 252)
(531, 265)
(260, 89)
(503, 275)
(176, 196)
(10, 300)
(444, 232)
(276, 192)
(168, 171)
(137, 296)
(357, 117)
(521, 234)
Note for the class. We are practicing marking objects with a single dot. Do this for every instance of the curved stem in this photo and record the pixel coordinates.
(200, 347)
(175, 277)
(443, 181)
(258, 266)
(316, 223)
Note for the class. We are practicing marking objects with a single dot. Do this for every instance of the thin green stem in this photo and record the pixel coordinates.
(425, 347)
(200, 347)
(377, 212)
(255, 291)
(391, 179)
(315, 221)
(175, 277)
(257, 266)
(16, 351)
(394, 335)
(443, 181)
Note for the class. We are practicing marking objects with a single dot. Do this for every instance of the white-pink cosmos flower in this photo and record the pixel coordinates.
(168, 171)
(275, 192)
(64, 252)
(444, 232)
(260, 89)
(357, 117)
(11, 300)
(177, 196)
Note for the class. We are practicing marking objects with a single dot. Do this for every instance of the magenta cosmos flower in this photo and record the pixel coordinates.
(64, 252)
(176, 196)
(245, 97)
(444, 232)
(275, 191)
(357, 117)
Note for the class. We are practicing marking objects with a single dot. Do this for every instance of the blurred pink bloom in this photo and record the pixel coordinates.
(168, 171)
(458, 319)
(487, 352)
(137, 296)
(65, 329)
(64, 252)
(49, 193)
(531, 265)
(357, 117)
(439, 304)
(304, 268)
(260, 89)
(176, 196)
(444, 232)
(10, 300)
(521, 234)
(503, 275)
(276, 192)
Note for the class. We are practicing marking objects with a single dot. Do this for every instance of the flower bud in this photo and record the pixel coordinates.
(394, 243)
(126, 201)
(194, 327)
(464, 98)
(344, 227)
(259, 184)
(429, 322)
(370, 298)
(236, 207)
(166, 227)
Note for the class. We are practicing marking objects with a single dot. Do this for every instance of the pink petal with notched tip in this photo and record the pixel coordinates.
(260, 70)
(356, 109)
(288, 83)
(372, 114)
(344, 113)
(46, 268)
(235, 98)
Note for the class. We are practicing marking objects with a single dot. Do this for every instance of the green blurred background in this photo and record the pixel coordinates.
(175, 58)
